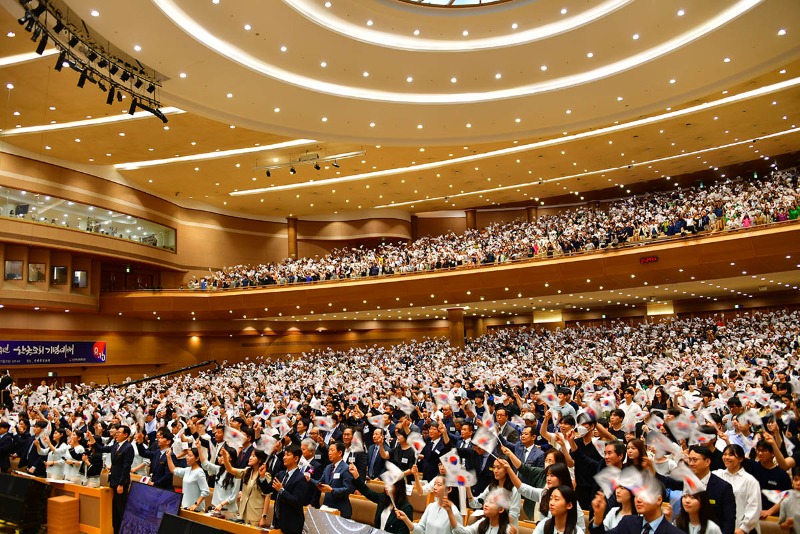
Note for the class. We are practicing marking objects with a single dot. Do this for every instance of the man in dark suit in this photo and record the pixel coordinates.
(376, 464)
(720, 492)
(6, 447)
(527, 451)
(437, 444)
(505, 429)
(352, 457)
(247, 448)
(119, 478)
(34, 459)
(160, 475)
(483, 462)
(311, 465)
(5, 390)
(336, 481)
(650, 520)
(290, 492)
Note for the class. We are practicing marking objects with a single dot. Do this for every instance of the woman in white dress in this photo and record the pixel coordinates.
(195, 486)
(72, 459)
(695, 513)
(58, 450)
(562, 513)
(437, 516)
(502, 481)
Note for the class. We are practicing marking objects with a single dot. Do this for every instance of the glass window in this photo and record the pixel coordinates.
(37, 272)
(59, 276)
(80, 279)
(14, 269)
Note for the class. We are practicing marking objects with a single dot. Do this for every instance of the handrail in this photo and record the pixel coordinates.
(168, 373)
(540, 257)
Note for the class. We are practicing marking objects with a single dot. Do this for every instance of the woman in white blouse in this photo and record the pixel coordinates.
(58, 449)
(626, 507)
(563, 513)
(195, 486)
(496, 519)
(502, 481)
(437, 516)
(746, 489)
(72, 458)
(226, 486)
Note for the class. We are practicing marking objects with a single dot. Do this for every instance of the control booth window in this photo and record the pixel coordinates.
(80, 279)
(13, 270)
(37, 272)
(59, 276)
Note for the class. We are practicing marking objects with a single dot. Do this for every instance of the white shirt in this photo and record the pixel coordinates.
(435, 520)
(747, 492)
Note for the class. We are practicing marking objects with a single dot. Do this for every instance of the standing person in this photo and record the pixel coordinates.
(746, 490)
(789, 516)
(6, 447)
(695, 514)
(289, 488)
(255, 485)
(37, 451)
(160, 475)
(6, 381)
(437, 516)
(394, 497)
(119, 478)
(226, 486)
(72, 459)
(336, 481)
(58, 450)
(195, 486)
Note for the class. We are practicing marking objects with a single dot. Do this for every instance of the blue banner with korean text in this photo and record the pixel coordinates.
(51, 352)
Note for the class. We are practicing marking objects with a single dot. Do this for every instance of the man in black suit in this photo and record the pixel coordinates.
(311, 465)
(34, 459)
(336, 481)
(247, 448)
(6, 447)
(352, 457)
(119, 478)
(720, 492)
(290, 492)
(5, 390)
(160, 475)
(376, 464)
(437, 444)
(650, 520)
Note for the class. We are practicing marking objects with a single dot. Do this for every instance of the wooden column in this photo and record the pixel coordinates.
(455, 316)
(291, 231)
(472, 222)
(414, 228)
(533, 213)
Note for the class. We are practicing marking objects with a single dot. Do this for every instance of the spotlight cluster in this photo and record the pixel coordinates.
(112, 75)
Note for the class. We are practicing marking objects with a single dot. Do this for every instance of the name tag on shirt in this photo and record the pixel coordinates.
(403, 460)
(337, 476)
(317, 456)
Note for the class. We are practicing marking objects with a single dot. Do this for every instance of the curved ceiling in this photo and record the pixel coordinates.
(454, 108)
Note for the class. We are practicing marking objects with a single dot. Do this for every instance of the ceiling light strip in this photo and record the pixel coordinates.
(237, 55)
(133, 165)
(24, 58)
(591, 173)
(533, 146)
(325, 18)
(87, 122)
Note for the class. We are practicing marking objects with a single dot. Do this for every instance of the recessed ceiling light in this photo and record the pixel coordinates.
(781, 32)
(469, 125)
(543, 68)
(182, 75)
(95, 13)
(369, 23)
(453, 79)
(564, 11)
(327, 4)
(498, 76)
(517, 120)
(229, 95)
(465, 33)
(372, 125)
(619, 99)
(569, 111)
(635, 36)
(366, 74)
(324, 119)
(409, 79)
(247, 27)
(137, 48)
(419, 126)
(590, 54)
(416, 32)
(726, 60)
(277, 110)
(11, 34)
(283, 49)
(9, 86)
(681, 12)
(323, 64)
(672, 80)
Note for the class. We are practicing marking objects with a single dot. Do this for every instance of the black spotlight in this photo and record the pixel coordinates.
(119, 95)
(38, 10)
(62, 57)
(102, 86)
(125, 76)
(36, 33)
(292, 171)
(59, 27)
(268, 173)
(110, 98)
(82, 79)
(102, 63)
(91, 56)
(113, 70)
(42, 45)
(335, 164)
(138, 84)
(151, 88)
(73, 41)
(25, 18)
(316, 166)
(132, 109)
(29, 25)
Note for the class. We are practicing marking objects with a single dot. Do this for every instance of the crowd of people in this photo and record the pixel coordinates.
(693, 420)
(730, 204)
